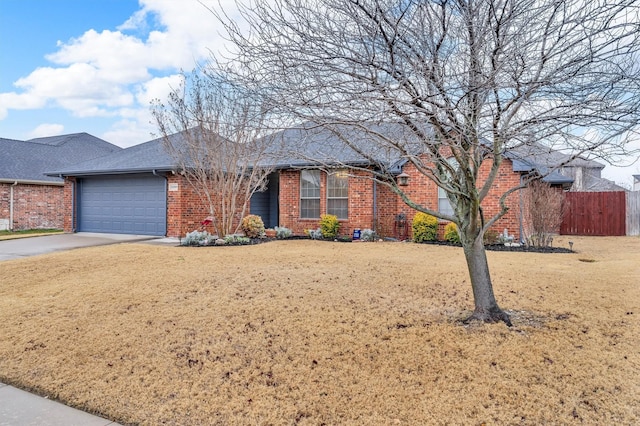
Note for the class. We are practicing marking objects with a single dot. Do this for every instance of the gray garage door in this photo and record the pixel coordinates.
(133, 204)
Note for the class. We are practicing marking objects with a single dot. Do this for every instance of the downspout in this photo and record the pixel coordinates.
(73, 207)
(375, 207)
(521, 227)
(11, 205)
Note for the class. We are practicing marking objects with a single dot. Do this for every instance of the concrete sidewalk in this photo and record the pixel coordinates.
(20, 408)
(24, 247)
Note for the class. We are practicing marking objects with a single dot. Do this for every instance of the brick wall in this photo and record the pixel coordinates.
(185, 208)
(34, 206)
(360, 208)
(70, 203)
(421, 190)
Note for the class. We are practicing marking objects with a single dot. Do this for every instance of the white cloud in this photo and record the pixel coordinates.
(157, 88)
(46, 129)
(129, 132)
(115, 72)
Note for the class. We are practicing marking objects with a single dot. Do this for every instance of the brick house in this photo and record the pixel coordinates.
(29, 199)
(139, 190)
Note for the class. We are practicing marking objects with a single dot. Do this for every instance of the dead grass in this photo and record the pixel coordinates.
(310, 333)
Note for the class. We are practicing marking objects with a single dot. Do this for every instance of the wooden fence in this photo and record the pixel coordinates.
(595, 213)
(633, 213)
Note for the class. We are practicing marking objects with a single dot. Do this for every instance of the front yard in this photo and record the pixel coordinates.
(310, 332)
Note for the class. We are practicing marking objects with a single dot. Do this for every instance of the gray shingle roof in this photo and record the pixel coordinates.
(144, 157)
(30, 160)
(307, 145)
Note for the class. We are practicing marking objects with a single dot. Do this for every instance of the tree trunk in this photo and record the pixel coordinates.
(486, 307)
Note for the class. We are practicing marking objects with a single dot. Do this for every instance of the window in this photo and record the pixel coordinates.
(310, 194)
(338, 194)
(444, 205)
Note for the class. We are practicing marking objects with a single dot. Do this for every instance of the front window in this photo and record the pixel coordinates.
(444, 205)
(338, 194)
(310, 194)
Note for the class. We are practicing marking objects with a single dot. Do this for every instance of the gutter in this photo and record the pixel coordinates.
(14, 182)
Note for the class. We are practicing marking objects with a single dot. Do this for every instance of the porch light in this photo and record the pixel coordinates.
(403, 179)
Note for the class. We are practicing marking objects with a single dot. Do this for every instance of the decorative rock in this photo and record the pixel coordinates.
(220, 242)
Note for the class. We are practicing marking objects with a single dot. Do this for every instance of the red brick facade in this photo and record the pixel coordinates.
(34, 206)
(361, 211)
(186, 210)
(371, 205)
(382, 218)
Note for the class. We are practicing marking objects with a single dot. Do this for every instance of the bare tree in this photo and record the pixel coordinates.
(468, 80)
(543, 208)
(211, 128)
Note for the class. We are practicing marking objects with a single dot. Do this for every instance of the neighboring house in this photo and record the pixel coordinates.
(636, 182)
(29, 198)
(585, 175)
(140, 190)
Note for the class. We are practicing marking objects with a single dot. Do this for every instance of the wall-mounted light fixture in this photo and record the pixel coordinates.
(403, 179)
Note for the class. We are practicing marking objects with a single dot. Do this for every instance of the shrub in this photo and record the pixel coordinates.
(425, 227)
(198, 238)
(314, 234)
(368, 235)
(490, 237)
(252, 226)
(329, 225)
(236, 240)
(543, 210)
(283, 232)
(451, 233)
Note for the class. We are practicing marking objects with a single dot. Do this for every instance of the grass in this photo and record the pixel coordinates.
(10, 235)
(307, 332)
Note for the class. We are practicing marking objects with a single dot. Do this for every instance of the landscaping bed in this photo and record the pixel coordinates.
(307, 332)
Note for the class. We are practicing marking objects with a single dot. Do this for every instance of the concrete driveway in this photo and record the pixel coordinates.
(24, 247)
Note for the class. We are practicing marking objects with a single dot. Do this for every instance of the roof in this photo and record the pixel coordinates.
(145, 157)
(310, 145)
(30, 160)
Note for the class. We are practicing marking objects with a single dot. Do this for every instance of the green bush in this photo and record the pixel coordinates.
(329, 226)
(424, 227)
(451, 233)
(252, 226)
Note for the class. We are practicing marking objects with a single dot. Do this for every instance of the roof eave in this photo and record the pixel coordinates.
(81, 173)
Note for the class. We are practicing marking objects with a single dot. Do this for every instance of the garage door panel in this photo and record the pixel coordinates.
(123, 204)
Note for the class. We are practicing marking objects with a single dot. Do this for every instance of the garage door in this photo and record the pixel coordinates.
(134, 204)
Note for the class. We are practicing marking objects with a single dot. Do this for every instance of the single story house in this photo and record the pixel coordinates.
(140, 190)
(29, 198)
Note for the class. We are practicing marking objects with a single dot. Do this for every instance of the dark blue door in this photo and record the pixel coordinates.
(265, 204)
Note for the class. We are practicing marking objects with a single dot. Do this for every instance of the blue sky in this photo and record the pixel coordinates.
(93, 66)
(69, 66)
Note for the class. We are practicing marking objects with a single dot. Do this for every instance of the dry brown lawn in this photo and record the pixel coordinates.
(311, 333)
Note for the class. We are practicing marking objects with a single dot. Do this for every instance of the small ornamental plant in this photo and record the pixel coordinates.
(329, 225)
(424, 227)
(368, 235)
(252, 226)
(314, 234)
(283, 232)
(451, 233)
